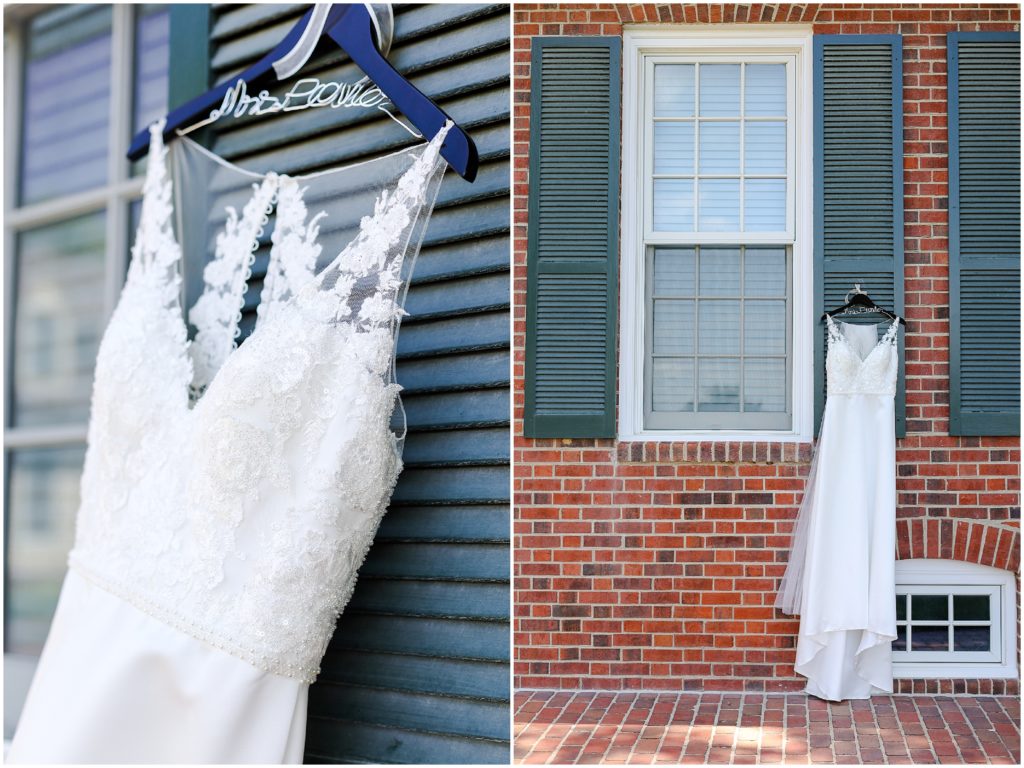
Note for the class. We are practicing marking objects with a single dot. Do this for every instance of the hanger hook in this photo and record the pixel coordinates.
(855, 290)
(382, 19)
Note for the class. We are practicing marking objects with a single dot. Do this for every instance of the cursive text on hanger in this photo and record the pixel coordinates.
(304, 94)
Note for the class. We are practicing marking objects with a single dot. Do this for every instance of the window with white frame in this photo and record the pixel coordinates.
(711, 232)
(79, 81)
(954, 619)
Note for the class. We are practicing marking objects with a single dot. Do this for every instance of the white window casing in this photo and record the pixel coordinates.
(937, 577)
(644, 47)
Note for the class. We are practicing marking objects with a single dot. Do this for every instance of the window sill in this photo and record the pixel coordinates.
(950, 669)
(715, 436)
(718, 450)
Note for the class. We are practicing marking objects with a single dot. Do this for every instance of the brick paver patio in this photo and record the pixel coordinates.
(690, 728)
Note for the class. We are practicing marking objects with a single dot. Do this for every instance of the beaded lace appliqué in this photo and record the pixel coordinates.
(243, 520)
(217, 312)
(848, 373)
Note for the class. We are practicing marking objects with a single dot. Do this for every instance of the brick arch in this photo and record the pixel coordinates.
(970, 541)
(714, 13)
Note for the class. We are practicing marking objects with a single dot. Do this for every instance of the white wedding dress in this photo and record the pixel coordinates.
(229, 495)
(841, 573)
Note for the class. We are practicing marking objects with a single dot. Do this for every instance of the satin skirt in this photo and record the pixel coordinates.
(848, 606)
(115, 685)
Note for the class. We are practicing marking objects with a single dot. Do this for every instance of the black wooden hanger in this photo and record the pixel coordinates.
(351, 26)
(861, 304)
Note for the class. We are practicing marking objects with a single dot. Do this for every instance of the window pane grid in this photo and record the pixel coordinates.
(724, 306)
(60, 275)
(934, 632)
(700, 185)
(68, 268)
(65, 102)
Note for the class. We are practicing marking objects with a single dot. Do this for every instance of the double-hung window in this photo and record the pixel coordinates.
(79, 81)
(715, 249)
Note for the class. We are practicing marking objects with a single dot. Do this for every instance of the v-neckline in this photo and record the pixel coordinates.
(168, 188)
(841, 334)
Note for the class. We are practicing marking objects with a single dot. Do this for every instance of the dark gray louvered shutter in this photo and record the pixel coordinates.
(858, 182)
(984, 233)
(573, 235)
(189, 41)
(418, 668)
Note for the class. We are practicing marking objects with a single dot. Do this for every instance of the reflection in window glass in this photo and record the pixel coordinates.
(151, 57)
(66, 101)
(972, 639)
(674, 90)
(41, 518)
(152, 39)
(58, 320)
(929, 607)
(928, 637)
(931, 616)
(726, 156)
(714, 347)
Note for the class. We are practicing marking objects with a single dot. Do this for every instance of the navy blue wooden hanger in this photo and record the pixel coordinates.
(352, 28)
(861, 303)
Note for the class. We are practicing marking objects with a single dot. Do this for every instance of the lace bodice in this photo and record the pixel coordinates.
(233, 492)
(858, 362)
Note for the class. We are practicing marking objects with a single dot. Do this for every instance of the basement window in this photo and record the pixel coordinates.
(954, 619)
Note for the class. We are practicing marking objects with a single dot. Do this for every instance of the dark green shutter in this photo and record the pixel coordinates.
(418, 668)
(189, 39)
(858, 183)
(572, 260)
(984, 233)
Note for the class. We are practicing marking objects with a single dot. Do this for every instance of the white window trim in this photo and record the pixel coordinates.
(114, 197)
(777, 39)
(929, 574)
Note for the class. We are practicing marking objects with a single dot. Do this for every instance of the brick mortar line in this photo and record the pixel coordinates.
(859, 739)
(745, 700)
(967, 720)
(992, 727)
(554, 721)
(690, 726)
(715, 729)
(761, 729)
(593, 735)
(620, 725)
(537, 692)
(832, 729)
(516, 722)
(782, 736)
(649, 692)
(759, 743)
(576, 724)
(647, 720)
(787, 726)
(667, 727)
(903, 734)
(597, 725)
(974, 731)
(918, 719)
(533, 693)
(571, 726)
(881, 742)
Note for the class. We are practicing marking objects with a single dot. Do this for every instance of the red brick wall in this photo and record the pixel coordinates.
(655, 565)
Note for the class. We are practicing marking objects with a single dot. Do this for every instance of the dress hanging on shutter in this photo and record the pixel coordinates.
(842, 565)
(230, 493)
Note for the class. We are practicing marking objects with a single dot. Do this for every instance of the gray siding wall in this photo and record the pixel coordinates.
(418, 667)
